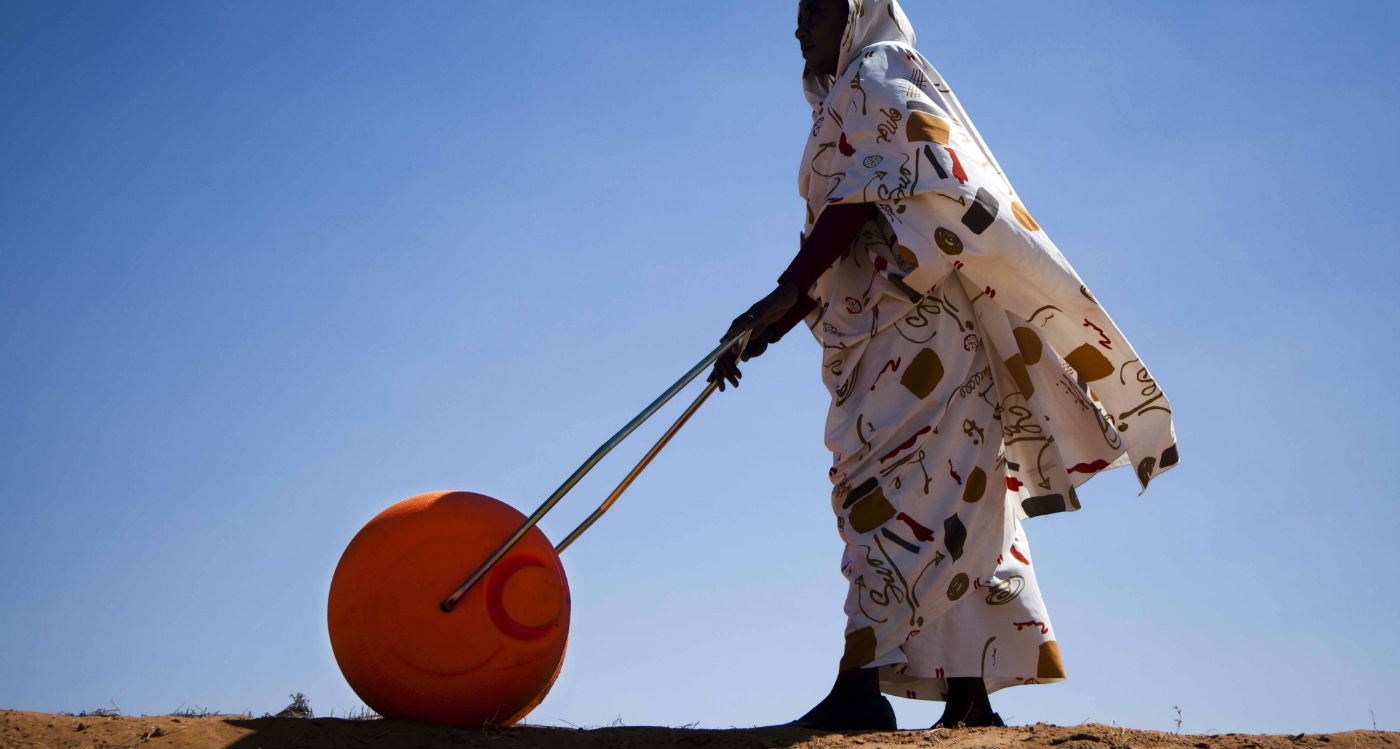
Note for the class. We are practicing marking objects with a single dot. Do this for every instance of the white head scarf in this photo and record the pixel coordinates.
(879, 27)
(867, 22)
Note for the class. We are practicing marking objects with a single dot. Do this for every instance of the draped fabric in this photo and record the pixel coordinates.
(975, 379)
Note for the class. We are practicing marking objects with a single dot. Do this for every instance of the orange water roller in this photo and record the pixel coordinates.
(452, 607)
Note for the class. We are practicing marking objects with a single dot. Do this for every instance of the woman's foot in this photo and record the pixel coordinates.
(970, 720)
(854, 704)
(968, 706)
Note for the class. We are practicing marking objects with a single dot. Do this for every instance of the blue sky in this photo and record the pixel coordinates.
(267, 268)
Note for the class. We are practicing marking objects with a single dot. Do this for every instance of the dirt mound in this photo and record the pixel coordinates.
(25, 729)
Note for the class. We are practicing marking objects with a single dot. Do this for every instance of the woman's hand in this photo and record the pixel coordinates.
(758, 320)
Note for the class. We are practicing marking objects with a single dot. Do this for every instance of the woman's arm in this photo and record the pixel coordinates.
(775, 314)
(831, 236)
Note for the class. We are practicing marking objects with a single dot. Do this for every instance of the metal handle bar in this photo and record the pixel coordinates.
(636, 470)
(737, 342)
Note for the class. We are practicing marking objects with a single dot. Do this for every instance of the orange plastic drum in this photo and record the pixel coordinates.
(491, 659)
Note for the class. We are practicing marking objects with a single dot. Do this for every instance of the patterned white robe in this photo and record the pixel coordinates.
(975, 380)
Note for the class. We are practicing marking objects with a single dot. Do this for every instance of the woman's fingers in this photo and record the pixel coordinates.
(732, 372)
(725, 369)
(758, 321)
(758, 343)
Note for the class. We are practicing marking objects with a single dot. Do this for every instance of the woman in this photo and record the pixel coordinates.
(975, 380)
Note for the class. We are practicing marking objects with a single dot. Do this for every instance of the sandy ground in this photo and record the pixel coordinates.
(25, 729)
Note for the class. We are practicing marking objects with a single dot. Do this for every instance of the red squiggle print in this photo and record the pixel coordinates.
(905, 445)
(1104, 342)
(891, 366)
(1044, 628)
(954, 474)
(1094, 467)
(1019, 556)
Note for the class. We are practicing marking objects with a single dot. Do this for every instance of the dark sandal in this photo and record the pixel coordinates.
(994, 721)
(879, 718)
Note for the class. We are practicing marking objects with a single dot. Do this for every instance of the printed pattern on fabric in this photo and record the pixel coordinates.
(1000, 632)
(921, 496)
(975, 381)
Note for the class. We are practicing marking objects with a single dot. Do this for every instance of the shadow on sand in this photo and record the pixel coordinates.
(273, 733)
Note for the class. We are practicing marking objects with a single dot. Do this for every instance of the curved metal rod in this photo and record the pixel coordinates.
(738, 341)
(627, 481)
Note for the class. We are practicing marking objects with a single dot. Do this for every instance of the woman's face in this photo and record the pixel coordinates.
(820, 26)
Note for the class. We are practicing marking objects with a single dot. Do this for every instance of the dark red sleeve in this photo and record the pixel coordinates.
(829, 239)
(831, 236)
